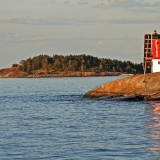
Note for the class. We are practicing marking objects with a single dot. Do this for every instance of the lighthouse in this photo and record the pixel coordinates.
(151, 52)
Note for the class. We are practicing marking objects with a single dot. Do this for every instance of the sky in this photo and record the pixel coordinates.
(103, 28)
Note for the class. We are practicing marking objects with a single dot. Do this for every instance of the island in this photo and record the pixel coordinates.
(69, 66)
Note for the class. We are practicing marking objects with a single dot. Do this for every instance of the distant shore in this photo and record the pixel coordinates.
(14, 72)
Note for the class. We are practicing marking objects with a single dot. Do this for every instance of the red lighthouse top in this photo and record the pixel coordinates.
(151, 49)
(155, 45)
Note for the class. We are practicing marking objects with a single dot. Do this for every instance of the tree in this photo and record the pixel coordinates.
(100, 67)
(114, 69)
(36, 63)
(29, 65)
(45, 62)
(15, 65)
(83, 68)
(128, 69)
(57, 64)
(23, 63)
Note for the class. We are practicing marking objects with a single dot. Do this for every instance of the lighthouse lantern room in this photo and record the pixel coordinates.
(151, 52)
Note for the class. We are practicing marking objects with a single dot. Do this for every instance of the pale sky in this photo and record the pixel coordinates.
(103, 28)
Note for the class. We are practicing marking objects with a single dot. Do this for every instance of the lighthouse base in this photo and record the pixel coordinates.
(155, 65)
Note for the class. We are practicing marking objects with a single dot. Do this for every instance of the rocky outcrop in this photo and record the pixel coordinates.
(136, 87)
(12, 72)
(15, 72)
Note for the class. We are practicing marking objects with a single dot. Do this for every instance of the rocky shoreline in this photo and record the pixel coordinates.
(14, 72)
(136, 87)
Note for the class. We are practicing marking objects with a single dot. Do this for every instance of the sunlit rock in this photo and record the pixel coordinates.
(136, 87)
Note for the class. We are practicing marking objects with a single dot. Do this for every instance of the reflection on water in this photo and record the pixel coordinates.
(48, 119)
(154, 127)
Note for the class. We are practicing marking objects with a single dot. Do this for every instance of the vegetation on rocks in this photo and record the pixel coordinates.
(69, 66)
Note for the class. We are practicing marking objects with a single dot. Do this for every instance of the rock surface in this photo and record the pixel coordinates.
(136, 87)
(14, 72)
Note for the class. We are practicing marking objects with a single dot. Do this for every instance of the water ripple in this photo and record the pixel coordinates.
(49, 119)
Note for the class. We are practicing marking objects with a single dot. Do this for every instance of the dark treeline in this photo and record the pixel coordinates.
(78, 63)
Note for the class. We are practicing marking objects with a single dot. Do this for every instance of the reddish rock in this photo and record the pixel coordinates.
(12, 72)
(15, 72)
(136, 87)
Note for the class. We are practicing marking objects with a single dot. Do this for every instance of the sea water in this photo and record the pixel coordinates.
(47, 118)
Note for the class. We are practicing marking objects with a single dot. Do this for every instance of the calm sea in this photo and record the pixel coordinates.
(48, 119)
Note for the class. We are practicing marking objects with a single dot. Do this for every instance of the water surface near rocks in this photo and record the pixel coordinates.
(47, 118)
